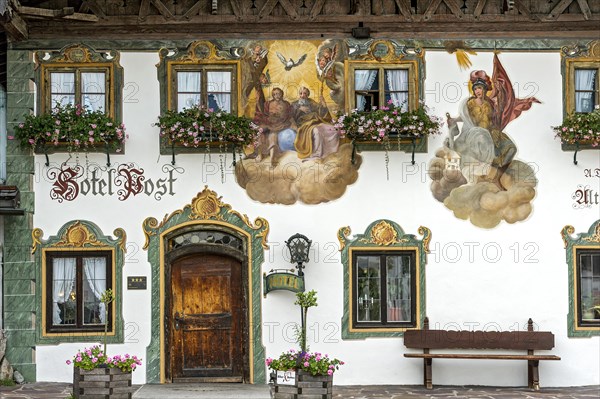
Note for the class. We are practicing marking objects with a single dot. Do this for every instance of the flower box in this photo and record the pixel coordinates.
(307, 386)
(102, 383)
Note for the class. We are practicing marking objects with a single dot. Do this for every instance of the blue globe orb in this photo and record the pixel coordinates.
(286, 139)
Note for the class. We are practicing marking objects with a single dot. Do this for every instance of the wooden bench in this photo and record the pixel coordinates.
(529, 341)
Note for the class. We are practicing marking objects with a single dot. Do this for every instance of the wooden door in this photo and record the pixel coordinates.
(207, 318)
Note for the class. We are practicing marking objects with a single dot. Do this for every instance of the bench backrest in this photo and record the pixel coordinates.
(442, 339)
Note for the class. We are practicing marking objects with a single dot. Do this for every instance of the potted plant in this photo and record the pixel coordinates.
(386, 125)
(95, 374)
(301, 373)
(203, 127)
(73, 128)
(580, 129)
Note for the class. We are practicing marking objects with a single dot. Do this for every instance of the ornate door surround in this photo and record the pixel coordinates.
(205, 212)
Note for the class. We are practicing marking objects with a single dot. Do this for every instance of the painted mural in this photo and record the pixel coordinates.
(293, 90)
(476, 174)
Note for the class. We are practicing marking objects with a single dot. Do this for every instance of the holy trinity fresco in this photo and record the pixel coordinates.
(292, 90)
(476, 174)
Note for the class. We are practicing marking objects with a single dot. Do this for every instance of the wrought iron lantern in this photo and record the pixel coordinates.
(299, 247)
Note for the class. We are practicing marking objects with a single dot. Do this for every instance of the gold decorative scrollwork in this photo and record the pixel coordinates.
(77, 53)
(594, 49)
(426, 233)
(594, 237)
(36, 236)
(149, 224)
(262, 223)
(122, 235)
(342, 235)
(566, 232)
(200, 50)
(206, 205)
(383, 234)
(389, 56)
(78, 236)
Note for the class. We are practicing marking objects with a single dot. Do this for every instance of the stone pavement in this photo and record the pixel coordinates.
(50, 390)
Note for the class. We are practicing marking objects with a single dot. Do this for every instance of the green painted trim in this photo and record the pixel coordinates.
(19, 269)
(53, 242)
(584, 241)
(226, 219)
(367, 240)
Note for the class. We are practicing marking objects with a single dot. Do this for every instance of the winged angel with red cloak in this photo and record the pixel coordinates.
(476, 174)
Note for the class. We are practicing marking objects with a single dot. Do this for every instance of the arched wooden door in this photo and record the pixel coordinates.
(206, 319)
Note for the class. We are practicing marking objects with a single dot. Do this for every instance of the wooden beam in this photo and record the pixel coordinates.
(431, 8)
(289, 8)
(267, 8)
(238, 11)
(523, 9)
(479, 8)
(16, 28)
(162, 9)
(454, 7)
(559, 8)
(65, 13)
(95, 8)
(585, 9)
(194, 10)
(144, 10)
(316, 8)
(404, 7)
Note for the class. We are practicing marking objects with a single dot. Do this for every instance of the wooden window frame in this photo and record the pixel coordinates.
(571, 66)
(383, 323)
(110, 106)
(203, 68)
(413, 80)
(48, 284)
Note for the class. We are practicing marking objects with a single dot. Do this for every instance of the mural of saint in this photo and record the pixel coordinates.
(298, 156)
(476, 174)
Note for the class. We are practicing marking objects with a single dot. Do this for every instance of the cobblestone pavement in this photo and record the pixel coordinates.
(48, 390)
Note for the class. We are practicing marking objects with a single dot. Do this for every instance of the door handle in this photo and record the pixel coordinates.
(178, 318)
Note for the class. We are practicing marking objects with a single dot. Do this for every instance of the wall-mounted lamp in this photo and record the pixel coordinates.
(299, 247)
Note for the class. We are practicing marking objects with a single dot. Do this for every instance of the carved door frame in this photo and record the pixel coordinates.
(206, 211)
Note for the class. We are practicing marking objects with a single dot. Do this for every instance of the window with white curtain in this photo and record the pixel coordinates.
(84, 86)
(383, 289)
(586, 89)
(75, 283)
(377, 85)
(210, 86)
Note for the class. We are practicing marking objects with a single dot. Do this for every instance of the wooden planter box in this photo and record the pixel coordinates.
(306, 387)
(102, 383)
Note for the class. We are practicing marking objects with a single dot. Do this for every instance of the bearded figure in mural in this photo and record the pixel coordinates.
(475, 174)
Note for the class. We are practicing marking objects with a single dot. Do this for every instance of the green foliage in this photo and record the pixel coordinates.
(94, 357)
(380, 123)
(76, 126)
(313, 363)
(580, 127)
(306, 299)
(193, 127)
(8, 382)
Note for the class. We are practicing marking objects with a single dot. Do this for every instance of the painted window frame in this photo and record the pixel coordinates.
(581, 307)
(203, 69)
(77, 69)
(383, 237)
(80, 238)
(413, 80)
(80, 58)
(47, 274)
(583, 243)
(383, 323)
(584, 57)
(198, 55)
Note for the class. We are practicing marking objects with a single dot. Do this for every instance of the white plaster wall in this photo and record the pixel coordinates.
(475, 278)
